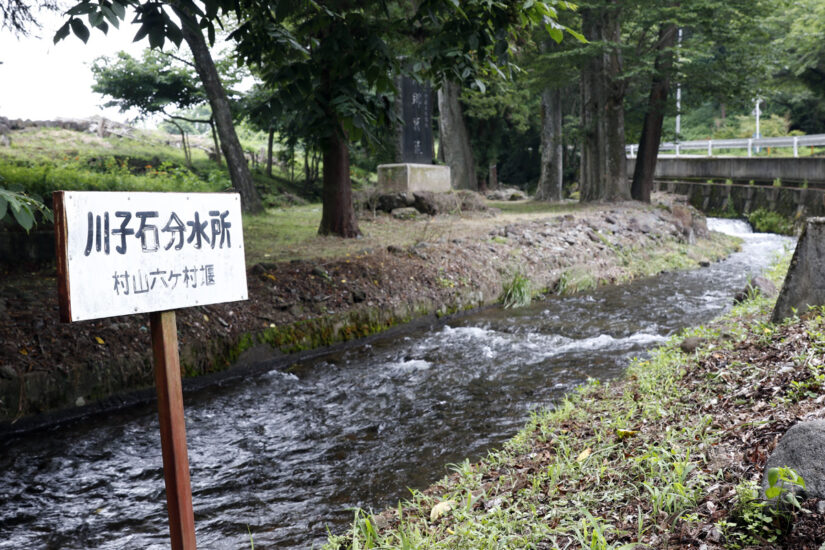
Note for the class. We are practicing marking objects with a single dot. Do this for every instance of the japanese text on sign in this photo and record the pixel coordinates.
(133, 252)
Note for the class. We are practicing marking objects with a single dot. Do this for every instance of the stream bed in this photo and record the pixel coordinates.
(286, 455)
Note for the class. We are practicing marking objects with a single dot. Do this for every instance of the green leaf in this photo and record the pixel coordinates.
(62, 32)
(95, 18)
(577, 35)
(119, 9)
(554, 32)
(79, 29)
(156, 38)
(142, 32)
(4, 206)
(110, 15)
(773, 492)
(174, 34)
(773, 476)
(24, 217)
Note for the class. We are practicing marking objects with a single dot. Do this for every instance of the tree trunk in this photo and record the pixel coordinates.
(454, 139)
(215, 140)
(338, 216)
(186, 154)
(654, 117)
(551, 178)
(604, 162)
(269, 142)
(236, 162)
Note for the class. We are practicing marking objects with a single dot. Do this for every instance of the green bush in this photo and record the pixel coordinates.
(768, 221)
(111, 175)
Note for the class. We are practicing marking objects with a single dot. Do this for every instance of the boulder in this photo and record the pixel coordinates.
(436, 203)
(754, 287)
(690, 223)
(805, 282)
(801, 448)
(388, 202)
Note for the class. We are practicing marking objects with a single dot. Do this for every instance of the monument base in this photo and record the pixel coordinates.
(401, 178)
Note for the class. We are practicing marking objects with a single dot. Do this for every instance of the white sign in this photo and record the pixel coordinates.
(124, 253)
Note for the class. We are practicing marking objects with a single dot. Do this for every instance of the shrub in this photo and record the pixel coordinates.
(44, 178)
(768, 221)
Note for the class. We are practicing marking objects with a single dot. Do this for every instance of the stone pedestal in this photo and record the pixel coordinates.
(401, 178)
(805, 283)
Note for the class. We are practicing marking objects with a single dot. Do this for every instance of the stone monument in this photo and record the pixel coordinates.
(805, 282)
(414, 169)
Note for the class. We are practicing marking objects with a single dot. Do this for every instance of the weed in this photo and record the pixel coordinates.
(516, 292)
(754, 522)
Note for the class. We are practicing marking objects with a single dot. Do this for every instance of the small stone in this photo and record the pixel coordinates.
(79, 402)
(691, 344)
(820, 507)
(406, 213)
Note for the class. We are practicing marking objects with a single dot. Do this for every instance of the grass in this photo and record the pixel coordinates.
(517, 291)
(609, 467)
(283, 234)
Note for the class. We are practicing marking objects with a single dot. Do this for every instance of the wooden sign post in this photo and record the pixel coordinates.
(127, 253)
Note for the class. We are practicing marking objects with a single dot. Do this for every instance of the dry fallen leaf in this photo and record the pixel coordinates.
(99, 340)
(583, 455)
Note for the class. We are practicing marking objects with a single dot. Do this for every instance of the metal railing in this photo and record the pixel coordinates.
(795, 142)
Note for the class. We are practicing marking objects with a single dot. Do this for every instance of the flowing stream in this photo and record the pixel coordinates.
(285, 455)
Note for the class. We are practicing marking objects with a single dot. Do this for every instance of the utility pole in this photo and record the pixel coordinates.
(678, 98)
(757, 112)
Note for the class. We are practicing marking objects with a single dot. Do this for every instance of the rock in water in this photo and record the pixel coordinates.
(756, 286)
(805, 283)
(802, 449)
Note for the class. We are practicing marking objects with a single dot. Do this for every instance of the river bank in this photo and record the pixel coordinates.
(671, 456)
(48, 369)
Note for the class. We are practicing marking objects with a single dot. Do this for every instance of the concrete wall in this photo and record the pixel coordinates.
(743, 169)
(401, 178)
(793, 202)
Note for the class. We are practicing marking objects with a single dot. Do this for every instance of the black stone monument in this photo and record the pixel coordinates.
(415, 134)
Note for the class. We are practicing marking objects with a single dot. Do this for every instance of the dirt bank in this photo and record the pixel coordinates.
(304, 304)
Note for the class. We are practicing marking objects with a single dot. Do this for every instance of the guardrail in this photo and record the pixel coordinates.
(795, 142)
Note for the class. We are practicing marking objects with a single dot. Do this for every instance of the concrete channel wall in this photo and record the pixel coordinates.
(740, 169)
(793, 202)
